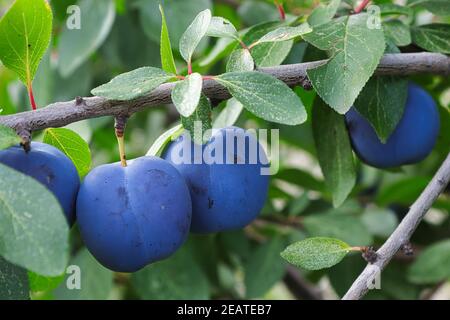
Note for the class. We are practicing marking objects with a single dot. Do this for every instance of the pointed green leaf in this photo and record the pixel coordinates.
(13, 282)
(25, 32)
(221, 28)
(356, 51)
(179, 14)
(265, 96)
(334, 151)
(270, 53)
(159, 144)
(323, 13)
(229, 115)
(240, 60)
(398, 32)
(432, 265)
(133, 84)
(438, 7)
(33, 229)
(167, 61)
(186, 94)
(382, 102)
(199, 122)
(72, 145)
(77, 45)
(316, 253)
(8, 137)
(194, 34)
(433, 37)
(285, 33)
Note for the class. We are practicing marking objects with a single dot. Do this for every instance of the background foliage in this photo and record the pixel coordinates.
(119, 36)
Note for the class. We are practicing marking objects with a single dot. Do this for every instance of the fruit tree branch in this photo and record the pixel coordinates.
(402, 234)
(63, 113)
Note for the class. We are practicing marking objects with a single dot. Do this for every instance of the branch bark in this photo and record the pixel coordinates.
(403, 233)
(63, 113)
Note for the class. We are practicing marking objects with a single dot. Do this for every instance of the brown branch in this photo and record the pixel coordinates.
(402, 234)
(63, 113)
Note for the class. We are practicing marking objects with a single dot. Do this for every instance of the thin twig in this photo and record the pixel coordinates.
(402, 234)
(63, 113)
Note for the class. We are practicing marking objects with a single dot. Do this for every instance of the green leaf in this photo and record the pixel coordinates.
(40, 283)
(179, 14)
(8, 137)
(33, 229)
(199, 122)
(178, 277)
(267, 54)
(159, 144)
(316, 253)
(264, 268)
(382, 102)
(221, 28)
(438, 7)
(285, 33)
(323, 13)
(167, 61)
(240, 60)
(25, 32)
(390, 8)
(194, 34)
(432, 37)
(356, 51)
(265, 96)
(229, 115)
(133, 84)
(398, 32)
(379, 222)
(13, 282)
(347, 227)
(334, 151)
(432, 265)
(72, 145)
(186, 94)
(77, 45)
(96, 282)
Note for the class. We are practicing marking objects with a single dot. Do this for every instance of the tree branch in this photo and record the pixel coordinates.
(403, 233)
(63, 113)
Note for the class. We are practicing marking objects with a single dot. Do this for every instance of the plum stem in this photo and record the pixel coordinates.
(31, 96)
(281, 10)
(361, 6)
(120, 124)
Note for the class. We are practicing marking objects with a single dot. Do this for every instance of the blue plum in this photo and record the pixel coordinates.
(412, 140)
(50, 167)
(227, 193)
(135, 215)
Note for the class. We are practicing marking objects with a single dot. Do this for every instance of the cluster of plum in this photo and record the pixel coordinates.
(132, 216)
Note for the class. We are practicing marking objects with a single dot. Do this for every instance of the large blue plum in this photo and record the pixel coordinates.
(135, 215)
(50, 167)
(412, 140)
(228, 189)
